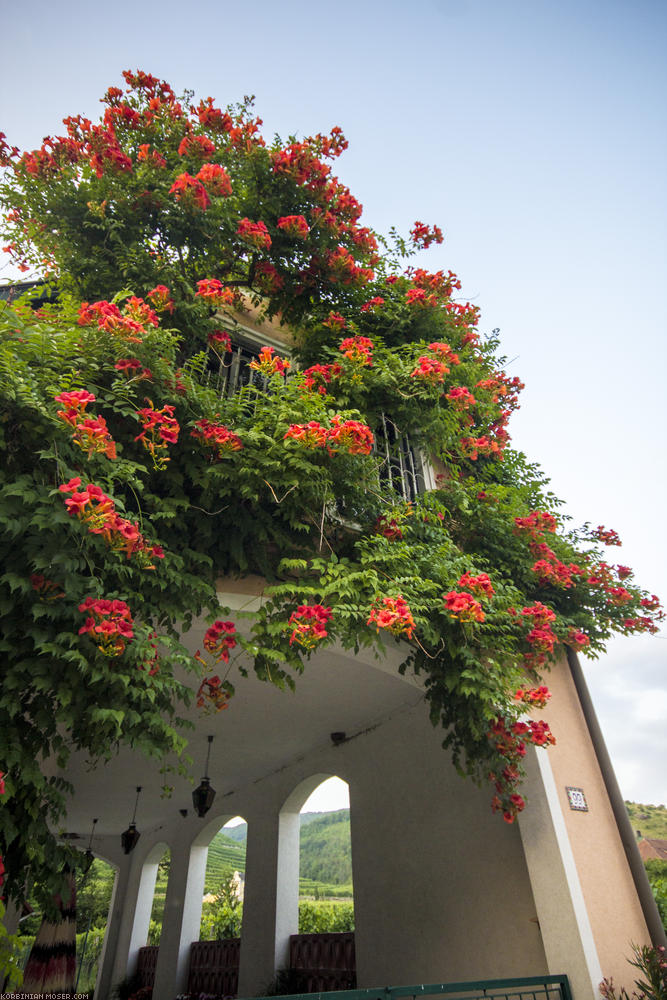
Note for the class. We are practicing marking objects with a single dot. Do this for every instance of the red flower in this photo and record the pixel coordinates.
(214, 292)
(357, 349)
(109, 624)
(268, 365)
(255, 234)
(461, 398)
(577, 639)
(189, 189)
(430, 370)
(160, 296)
(392, 614)
(423, 236)
(294, 225)
(480, 584)
(215, 179)
(309, 621)
(606, 535)
(351, 436)
(217, 437)
(463, 607)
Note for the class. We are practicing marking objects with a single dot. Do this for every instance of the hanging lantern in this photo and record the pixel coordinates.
(130, 837)
(89, 857)
(203, 795)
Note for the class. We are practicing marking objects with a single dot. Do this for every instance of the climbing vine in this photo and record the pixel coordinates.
(130, 482)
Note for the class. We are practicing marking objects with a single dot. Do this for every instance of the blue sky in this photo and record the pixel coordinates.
(535, 134)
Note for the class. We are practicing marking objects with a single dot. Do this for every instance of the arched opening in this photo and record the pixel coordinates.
(326, 895)
(315, 901)
(224, 885)
(159, 897)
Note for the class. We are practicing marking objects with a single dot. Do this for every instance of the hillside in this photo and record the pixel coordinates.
(650, 820)
(325, 856)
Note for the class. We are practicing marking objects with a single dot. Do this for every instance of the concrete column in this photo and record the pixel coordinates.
(129, 918)
(271, 899)
(566, 931)
(182, 918)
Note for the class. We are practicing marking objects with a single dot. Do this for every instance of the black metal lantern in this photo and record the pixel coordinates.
(89, 857)
(203, 795)
(131, 836)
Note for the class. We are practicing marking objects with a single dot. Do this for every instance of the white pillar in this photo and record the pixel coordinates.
(129, 918)
(181, 919)
(271, 897)
(561, 910)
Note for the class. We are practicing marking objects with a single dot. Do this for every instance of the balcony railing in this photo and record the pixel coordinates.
(402, 467)
(531, 988)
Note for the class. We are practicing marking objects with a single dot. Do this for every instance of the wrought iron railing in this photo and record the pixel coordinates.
(401, 466)
(531, 988)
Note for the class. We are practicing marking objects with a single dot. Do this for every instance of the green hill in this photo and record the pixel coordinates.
(651, 821)
(325, 857)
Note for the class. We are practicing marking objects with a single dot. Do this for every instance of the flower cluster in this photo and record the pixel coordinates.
(294, 225)
(308, 625)
(129, 325)
(91, 434)
(550, 571)
(534, 697)
(509, 740)
(461, 398)
(537, 522)
(134, 368)
(255, 234)
(319, 376)
(109, 623)
(219, 639)
(430, 370)
(418, 297)
(422, 236)
(213, 694)
(47, 589)
(606, 535)
(98, 511)
(335, 321)
(190, 191)
(480, 584)
(375, 303)
(444, 351)
(357, 349)
(220, 340)
(160, 428)
(342, 267)
(213, 291)
(577, 639)
(350, 436)
(462, 607)
(473, 447)
(391, 525)
(268, 365)
(392, 614)
(160, 298)
(217, 437)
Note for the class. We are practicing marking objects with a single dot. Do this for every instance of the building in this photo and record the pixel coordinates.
(561, 892)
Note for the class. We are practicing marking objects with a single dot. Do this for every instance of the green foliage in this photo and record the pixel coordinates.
(325, 852)
(11, 975)
(222, 918)
(319, 917)
(168, 193)
(657, 876)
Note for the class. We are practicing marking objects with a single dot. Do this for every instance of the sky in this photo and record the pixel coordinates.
(535, 134)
